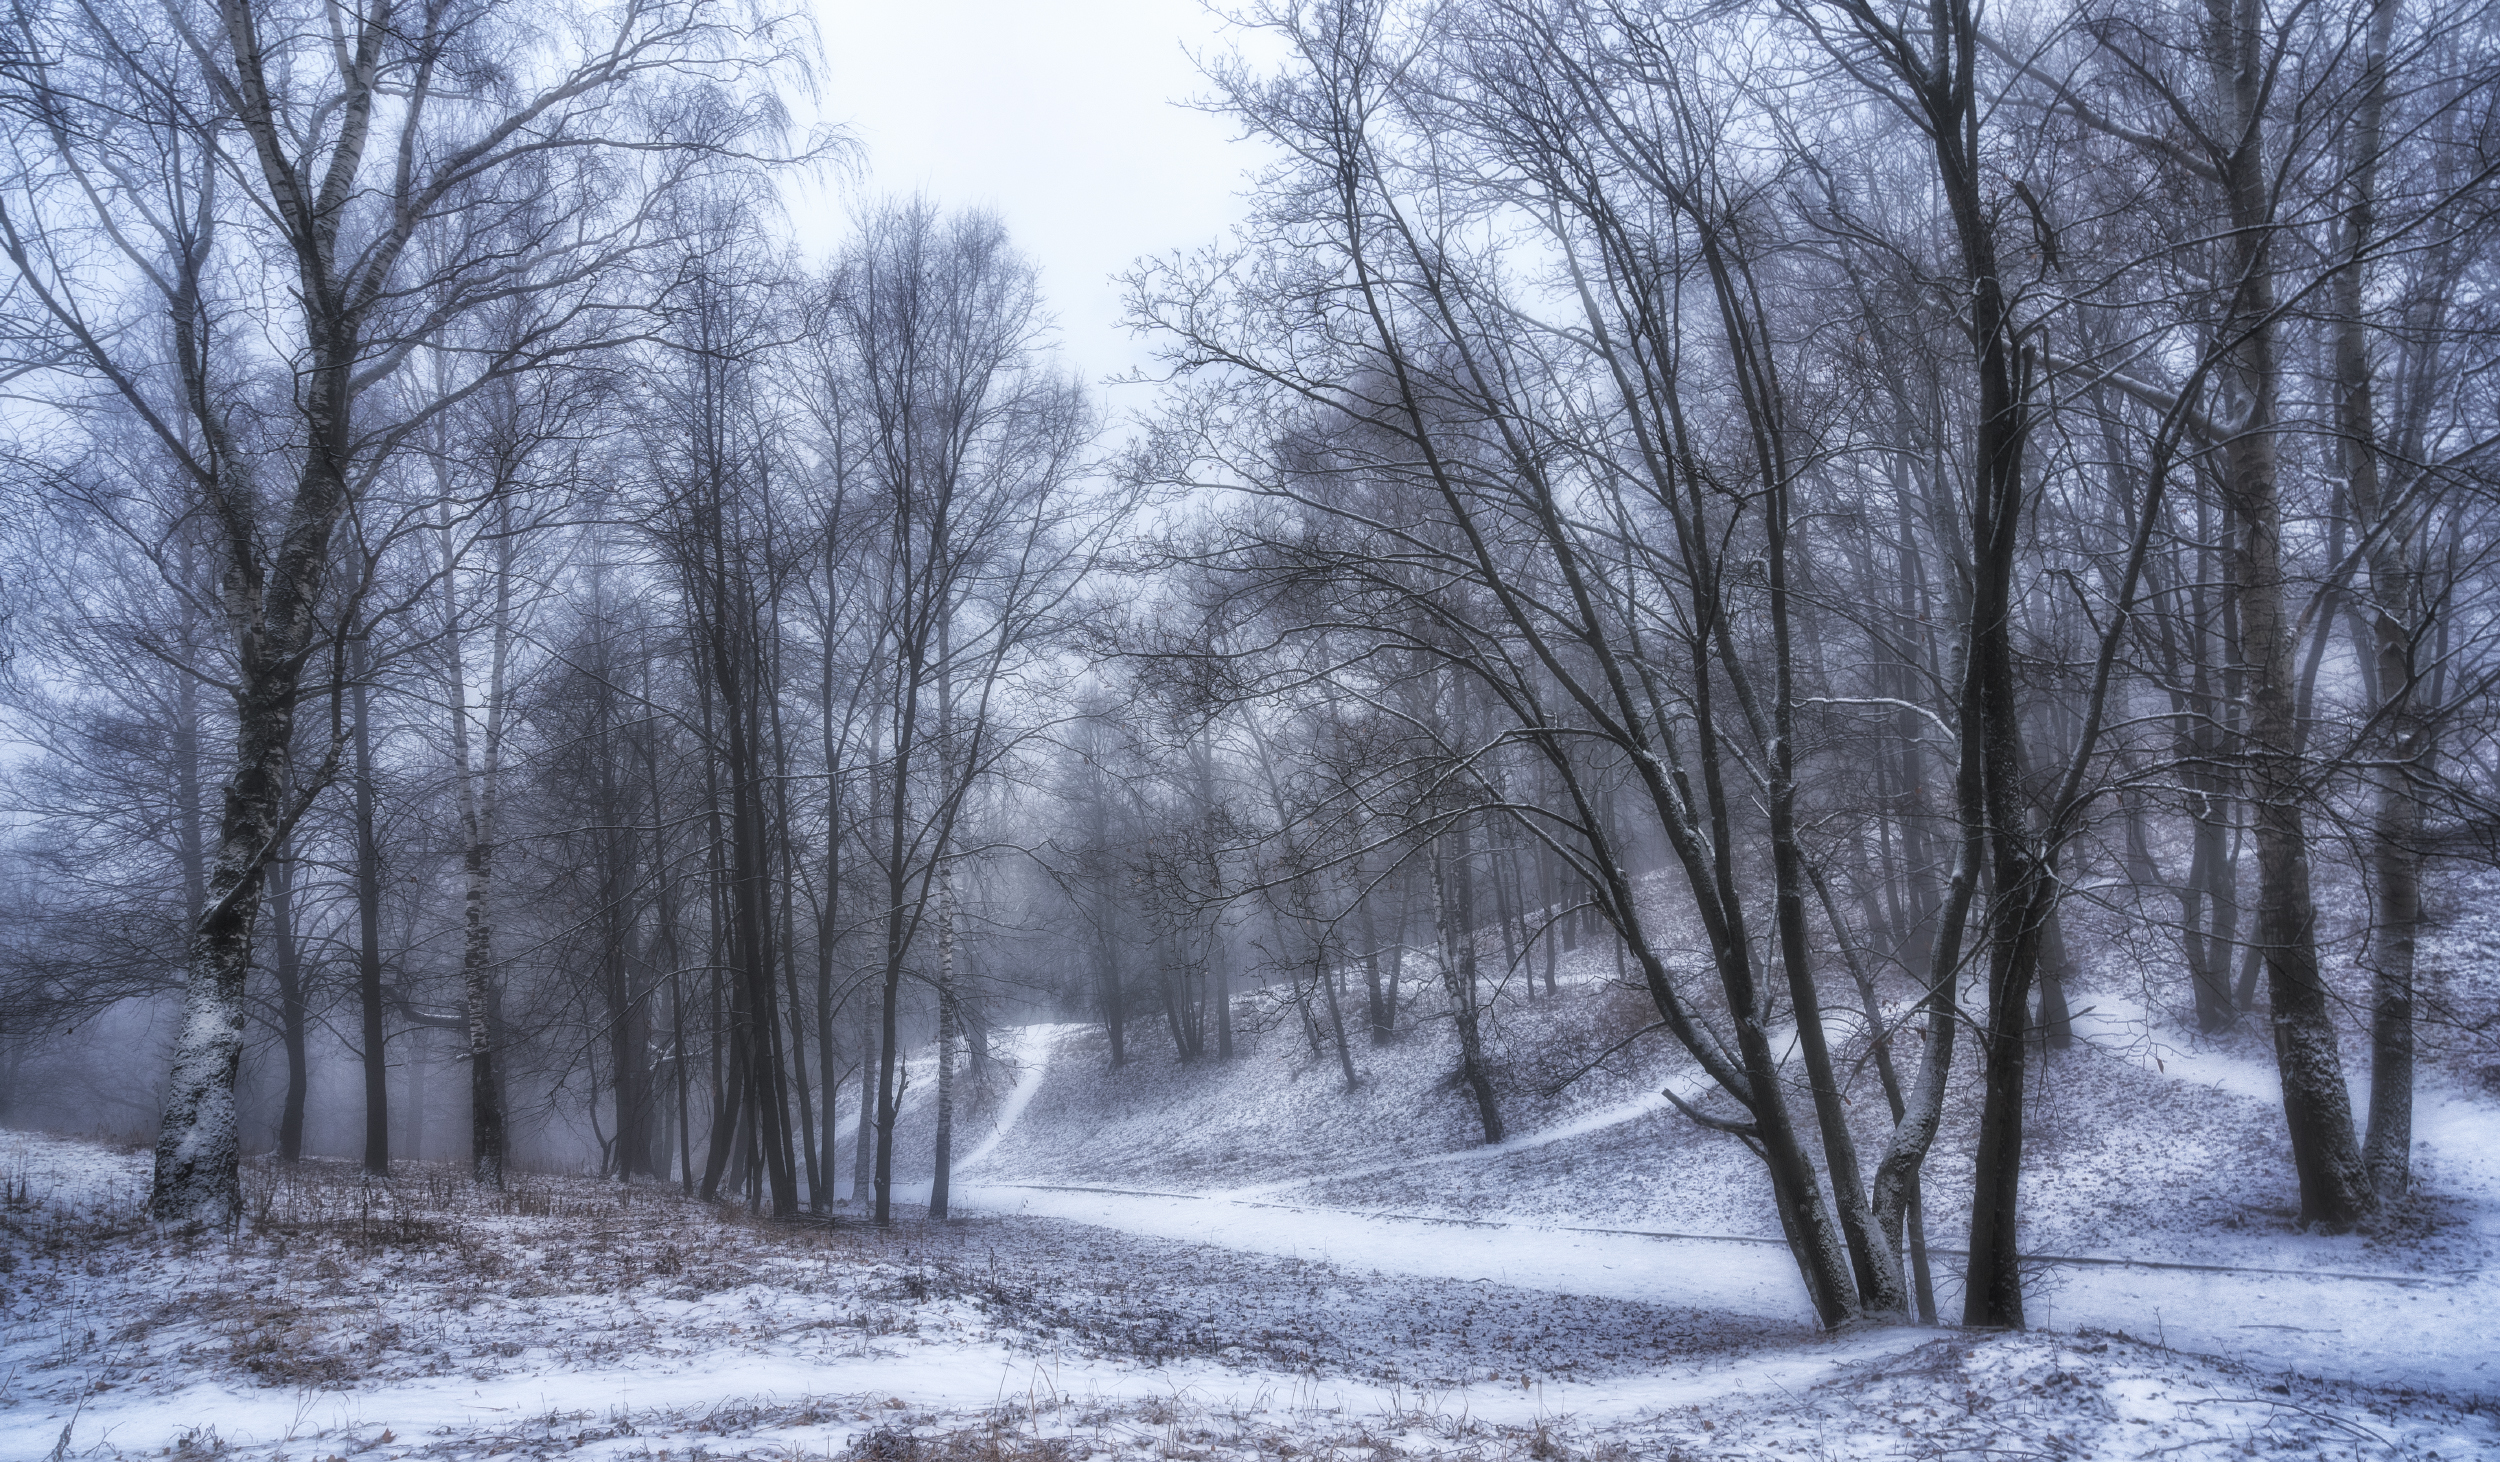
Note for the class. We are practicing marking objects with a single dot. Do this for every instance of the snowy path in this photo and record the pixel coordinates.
(1036, 1041)
(1032, 1059)
(2443, 1330)
(1581, 1126)
(1747, 1278)
(1693, 1087)
(1032, 1054)
(2444, 1333)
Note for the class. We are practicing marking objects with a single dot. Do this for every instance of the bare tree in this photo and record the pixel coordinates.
(971, 446)
(157, 147)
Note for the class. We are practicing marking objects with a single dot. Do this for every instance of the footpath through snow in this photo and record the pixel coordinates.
(2329, 1307)
(424, 1321)
(1155, 1268)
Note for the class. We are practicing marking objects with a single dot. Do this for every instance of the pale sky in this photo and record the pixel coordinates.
(1062, 118)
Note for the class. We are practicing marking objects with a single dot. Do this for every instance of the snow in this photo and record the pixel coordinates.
(2334, 1322)
(1215, 1263)
(1746, 1279)
(2456, 1137)
(1614, 1115)
(1030, 1059)
(2394, 1310)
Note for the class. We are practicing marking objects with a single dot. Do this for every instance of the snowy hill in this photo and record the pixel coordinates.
(2158, 1182)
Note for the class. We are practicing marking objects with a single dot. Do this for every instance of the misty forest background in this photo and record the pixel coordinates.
(1843, 513)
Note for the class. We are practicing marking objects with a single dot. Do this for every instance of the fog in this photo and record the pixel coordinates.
(643, 595)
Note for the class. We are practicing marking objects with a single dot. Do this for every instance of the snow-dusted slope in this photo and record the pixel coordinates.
(2157, 1180)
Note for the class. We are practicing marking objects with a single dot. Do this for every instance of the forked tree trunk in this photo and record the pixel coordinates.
(270, 587)
(2396, 821)
(1875, 1264)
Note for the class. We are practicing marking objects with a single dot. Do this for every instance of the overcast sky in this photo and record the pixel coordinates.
(1061, 116)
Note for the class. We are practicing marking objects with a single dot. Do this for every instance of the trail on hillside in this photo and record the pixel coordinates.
(1031, 1059)
(2456, 1140)
(2329, 1318)
(1691, 1088)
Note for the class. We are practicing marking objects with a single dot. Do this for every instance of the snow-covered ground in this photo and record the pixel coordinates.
(571, 1318)
(2168, 1225)
(1190, 1262)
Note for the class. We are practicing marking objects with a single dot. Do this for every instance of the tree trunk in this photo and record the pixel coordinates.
(1875, 1265)
(1219, 976)
(1107, 977)
(2334, 1184)
(943, 1158)
(1376, 1009)
(294, 1006)
(479, 788)
(818, 1177)
(780, 831)
(871, 1062)
(2396, 822)
(369, 931)
(272, 601)
(1336, 1013)
(412, 1121)
(1458, 977)
(828, 1133)
(2057, 1018)
(889, 998)
(727, 1036)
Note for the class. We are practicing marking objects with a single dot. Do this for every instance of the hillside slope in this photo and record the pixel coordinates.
(2158, 1183)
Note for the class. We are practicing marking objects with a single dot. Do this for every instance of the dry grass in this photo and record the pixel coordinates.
(336, 1279)
(346, 1287)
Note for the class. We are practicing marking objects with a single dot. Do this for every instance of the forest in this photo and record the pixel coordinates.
(1847, 556)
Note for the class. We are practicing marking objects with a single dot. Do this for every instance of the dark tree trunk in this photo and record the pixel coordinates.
(294, 1004)
(1376, 1008)
(942, 1154)
(2334, 1184)
(864, 1145)
(2396, 822)
(369, 934)
(2057, 1020)
(1458, 974)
